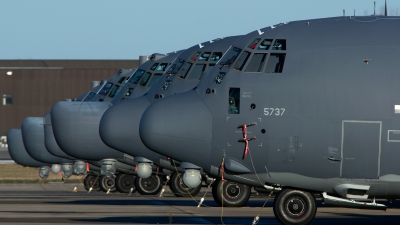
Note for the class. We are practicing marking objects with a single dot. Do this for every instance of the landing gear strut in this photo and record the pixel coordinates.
(179, 188)
(230, 193)
(148, 186)
(125, 182)
(107, 183)
(294, 207)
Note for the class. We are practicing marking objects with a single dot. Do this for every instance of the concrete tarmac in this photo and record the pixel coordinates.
(56, 203)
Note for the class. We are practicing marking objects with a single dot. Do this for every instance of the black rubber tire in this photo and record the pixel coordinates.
(233, 194)
(294, 207)
(89, 182)
(124, 182)
(179, 188)
(107, 183)
(148, 186)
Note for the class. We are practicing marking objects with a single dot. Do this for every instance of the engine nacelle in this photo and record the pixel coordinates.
(79, 167)
(108, 167)
(66, 170)
(44, 172)
(55, 168)
(192, 178)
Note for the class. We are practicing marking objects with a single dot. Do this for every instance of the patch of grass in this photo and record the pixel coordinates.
(14, 173)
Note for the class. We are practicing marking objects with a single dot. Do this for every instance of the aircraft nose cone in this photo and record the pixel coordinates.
(180, 127)
(18, 152)
(119, 126)
(33, 137)
(76, 130)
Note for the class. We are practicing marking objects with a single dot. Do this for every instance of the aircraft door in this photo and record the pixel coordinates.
(361, 149)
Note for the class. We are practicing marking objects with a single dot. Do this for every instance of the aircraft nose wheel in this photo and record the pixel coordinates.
(294, 207)
(148, 186)
(125, 182)
(230, 193)
(233, 190)
(107, 183)
(179, 188)
(92, 181)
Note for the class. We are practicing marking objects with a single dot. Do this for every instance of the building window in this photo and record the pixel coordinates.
(7, 99)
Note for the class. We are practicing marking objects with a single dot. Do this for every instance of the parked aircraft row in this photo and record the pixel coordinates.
(301, 109)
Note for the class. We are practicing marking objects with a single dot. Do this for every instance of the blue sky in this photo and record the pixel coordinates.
(125, 29)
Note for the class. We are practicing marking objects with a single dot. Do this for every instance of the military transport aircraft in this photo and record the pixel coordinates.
(76, 126)
(40, 158)
(305, 107)
(205, 55)
(119, 126)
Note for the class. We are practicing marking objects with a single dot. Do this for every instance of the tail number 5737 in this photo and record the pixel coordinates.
(274, 111)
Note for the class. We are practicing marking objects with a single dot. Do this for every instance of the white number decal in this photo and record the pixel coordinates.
(270, 111)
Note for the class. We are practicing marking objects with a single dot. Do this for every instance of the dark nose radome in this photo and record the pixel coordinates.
(180, 127)
(18, 152)
(76, 129)
(119, 126)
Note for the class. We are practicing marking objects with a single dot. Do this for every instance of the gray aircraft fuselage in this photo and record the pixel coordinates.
(76, 124)
(119, 126)
(325, 97)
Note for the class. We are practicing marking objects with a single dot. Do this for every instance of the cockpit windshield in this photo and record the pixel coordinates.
(153, 78)
(162, 67)
(106, 88)
(205, 56)
(230, 57)
(176, 66)
(154, 66)
(114, 91)
(136, 77)
(145, 79)
(89, 96)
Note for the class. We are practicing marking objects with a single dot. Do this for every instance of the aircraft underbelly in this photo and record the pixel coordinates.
(361, 149)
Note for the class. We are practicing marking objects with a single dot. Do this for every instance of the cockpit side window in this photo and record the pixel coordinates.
(275, 63)
(241, 61)
(176, 66)
(205, 56)
(145, 79)
(136, 77)
(234, 101)
(153, 78)
(265, 44)
(256, 62)
(106, 88)
(197, 71)
(279, 44)
(162, 67)
(184, 72)
(216, 56)
(254, 43)
(230, 57)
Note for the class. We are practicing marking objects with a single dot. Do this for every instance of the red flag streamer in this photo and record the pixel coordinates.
(246, 141)
(222, 168)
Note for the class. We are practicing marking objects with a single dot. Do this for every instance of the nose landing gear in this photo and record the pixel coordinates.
(294, 207)
(230, 193)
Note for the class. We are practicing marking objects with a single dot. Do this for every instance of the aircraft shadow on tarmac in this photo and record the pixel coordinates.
(188, 202)
(353, 219)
